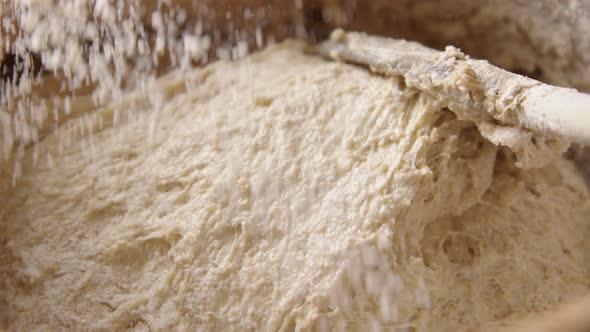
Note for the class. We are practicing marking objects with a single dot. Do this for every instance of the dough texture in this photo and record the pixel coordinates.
(287, 192)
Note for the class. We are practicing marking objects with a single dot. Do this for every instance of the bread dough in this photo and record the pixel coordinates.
(286, 192)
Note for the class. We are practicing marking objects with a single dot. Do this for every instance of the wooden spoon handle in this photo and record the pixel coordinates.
(474, 89)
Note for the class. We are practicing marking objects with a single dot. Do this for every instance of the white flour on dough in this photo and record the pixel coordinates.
(286, 192)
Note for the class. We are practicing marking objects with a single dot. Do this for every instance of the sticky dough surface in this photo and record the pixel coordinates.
(287, 192)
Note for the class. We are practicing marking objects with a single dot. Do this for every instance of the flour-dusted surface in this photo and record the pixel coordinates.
(287, 192)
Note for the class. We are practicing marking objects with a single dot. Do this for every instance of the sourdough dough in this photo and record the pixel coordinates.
(286, 192)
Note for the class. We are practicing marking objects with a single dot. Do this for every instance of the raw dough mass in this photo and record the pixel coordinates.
(283, 192)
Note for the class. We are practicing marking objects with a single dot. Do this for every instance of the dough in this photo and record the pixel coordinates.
(286, 192)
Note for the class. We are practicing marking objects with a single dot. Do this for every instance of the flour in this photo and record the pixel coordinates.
(283, 192)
